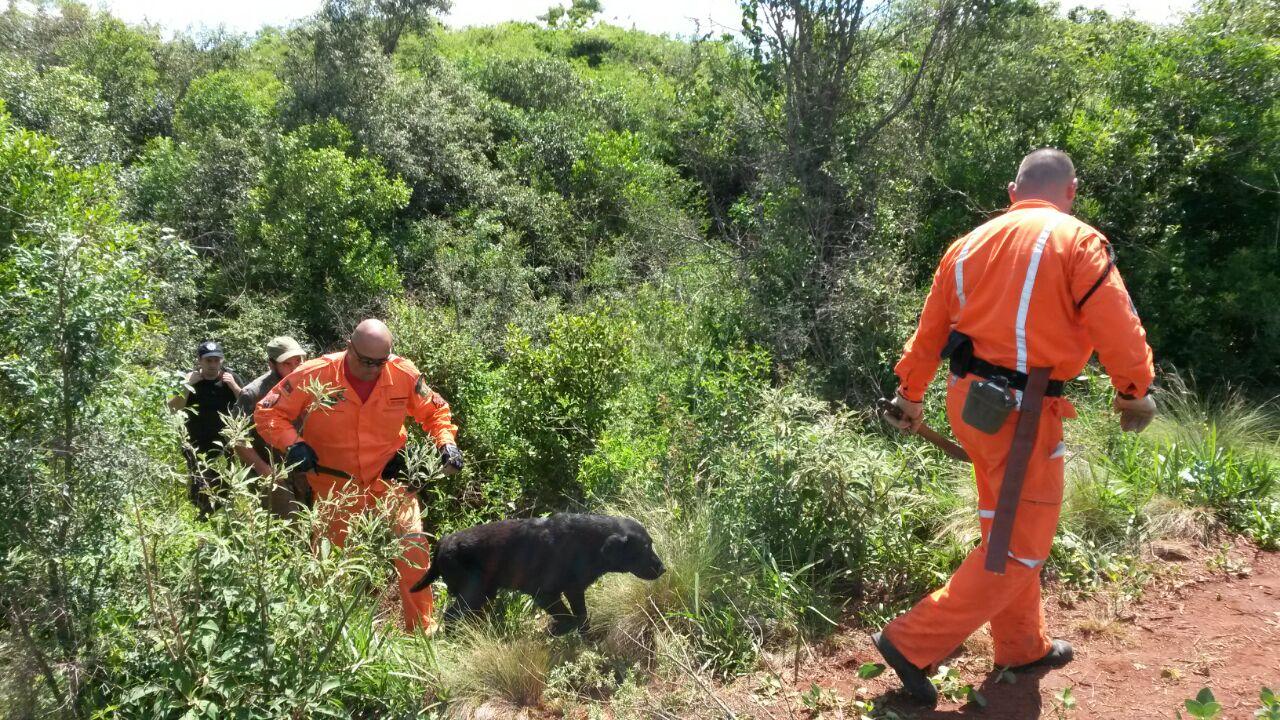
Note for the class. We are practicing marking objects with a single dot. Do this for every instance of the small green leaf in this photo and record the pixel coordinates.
(975, 697)
(328, 686)
(870, 670)
(140, 692)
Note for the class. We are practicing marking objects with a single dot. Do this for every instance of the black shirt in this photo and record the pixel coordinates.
(204, 425)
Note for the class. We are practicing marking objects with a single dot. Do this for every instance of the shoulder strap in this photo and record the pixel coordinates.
(1111, 263)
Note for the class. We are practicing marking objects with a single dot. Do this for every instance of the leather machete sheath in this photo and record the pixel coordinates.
(1015, 470)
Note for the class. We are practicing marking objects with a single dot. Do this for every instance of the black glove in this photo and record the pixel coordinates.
(396, 468)
(301, 457)
(450, 455)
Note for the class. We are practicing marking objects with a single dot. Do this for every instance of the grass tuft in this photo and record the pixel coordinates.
(626, 611)
(487, 673)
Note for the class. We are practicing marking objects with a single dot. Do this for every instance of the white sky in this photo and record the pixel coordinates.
(658, 16)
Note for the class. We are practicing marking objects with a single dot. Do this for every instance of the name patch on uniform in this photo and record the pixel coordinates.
(397, 402)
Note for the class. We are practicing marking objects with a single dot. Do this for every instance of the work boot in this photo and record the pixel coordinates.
(1060, 653)
(914, 680)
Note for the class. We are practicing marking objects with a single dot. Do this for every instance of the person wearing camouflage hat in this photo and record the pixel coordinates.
(284, 355)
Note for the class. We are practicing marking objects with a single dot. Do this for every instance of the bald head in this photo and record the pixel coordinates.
(372, 331)
(1046, 174)
(372, 342)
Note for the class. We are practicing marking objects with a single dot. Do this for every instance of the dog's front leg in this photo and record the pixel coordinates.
(578, 603)
(562, 620)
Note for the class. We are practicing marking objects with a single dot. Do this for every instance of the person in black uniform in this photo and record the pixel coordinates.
(212, 389)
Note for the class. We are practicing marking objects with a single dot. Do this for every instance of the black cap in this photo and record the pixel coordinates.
(209, 348)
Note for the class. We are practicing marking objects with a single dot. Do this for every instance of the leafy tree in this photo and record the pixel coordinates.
(829, 77)
(321, 219)
(73, 300)
(123, 60)
(425, 128)
(558, 399)
(197, 181)
(574, 17)
(63, 104)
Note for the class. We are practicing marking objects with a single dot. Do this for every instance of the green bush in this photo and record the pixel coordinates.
(557, 397)
(250, 615)
(320, 217)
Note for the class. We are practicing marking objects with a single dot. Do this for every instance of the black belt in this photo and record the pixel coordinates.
(1017, 380)
(334, 472)
(959, 350)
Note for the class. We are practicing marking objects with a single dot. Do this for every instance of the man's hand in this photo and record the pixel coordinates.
(250, 457)
(230, 381)
(194, 378)
(301, 458)
(1135, 413)
(912, 414)
(450, 459)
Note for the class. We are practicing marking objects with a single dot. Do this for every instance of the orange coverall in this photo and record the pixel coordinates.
(1015, 285)
(359, 438)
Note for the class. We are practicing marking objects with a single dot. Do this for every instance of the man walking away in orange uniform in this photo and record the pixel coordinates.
(346, 445)
(1018, 305)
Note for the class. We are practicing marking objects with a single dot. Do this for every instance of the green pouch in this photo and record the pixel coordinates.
(988, 405)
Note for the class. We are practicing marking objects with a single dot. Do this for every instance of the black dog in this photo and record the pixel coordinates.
(544, 557)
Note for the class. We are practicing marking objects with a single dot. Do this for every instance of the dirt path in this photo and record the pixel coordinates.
(1207, 624)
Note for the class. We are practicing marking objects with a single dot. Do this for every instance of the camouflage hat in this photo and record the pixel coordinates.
(284, 347)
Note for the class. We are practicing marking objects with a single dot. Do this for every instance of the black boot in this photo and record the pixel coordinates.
(1059, 654)
(914, 680)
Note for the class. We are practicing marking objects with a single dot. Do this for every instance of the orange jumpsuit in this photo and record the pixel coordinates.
(1015, 285)
(359, 438)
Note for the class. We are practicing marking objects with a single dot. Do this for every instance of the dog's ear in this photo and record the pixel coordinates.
(614, 545)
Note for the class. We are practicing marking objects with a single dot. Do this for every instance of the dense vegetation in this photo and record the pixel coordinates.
(658, 276)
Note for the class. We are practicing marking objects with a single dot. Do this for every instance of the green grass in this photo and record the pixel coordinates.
(481, 666)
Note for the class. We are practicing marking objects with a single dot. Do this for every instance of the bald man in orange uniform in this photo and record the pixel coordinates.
(1032, 293)
(349, 445)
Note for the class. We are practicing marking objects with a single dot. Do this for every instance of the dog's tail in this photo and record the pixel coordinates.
(429, 577)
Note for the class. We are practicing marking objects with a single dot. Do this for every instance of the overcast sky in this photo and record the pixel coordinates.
(658, 16)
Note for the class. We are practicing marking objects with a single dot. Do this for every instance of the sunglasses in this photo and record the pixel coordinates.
(368, 361)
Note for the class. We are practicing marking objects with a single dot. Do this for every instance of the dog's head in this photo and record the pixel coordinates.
(630, 549)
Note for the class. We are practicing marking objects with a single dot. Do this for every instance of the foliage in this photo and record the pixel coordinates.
(318, 217)
(62, 103)
(656, 276)
(73, 303)
(558, 397)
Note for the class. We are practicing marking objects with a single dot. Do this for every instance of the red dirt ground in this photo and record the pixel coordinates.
(1203, 624)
